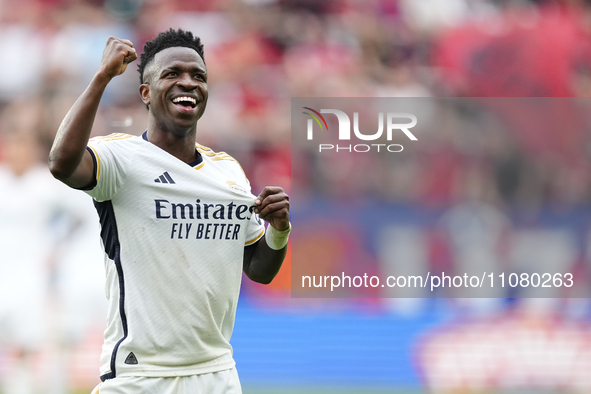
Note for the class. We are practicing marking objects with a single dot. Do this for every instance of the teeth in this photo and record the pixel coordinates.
(184, 98)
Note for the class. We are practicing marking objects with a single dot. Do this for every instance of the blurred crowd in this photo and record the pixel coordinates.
(259, 54)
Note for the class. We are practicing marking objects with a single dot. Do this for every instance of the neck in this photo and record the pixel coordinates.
(179, 143)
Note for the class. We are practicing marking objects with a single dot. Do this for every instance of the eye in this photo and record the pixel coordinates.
(171, 74)
(199, 77)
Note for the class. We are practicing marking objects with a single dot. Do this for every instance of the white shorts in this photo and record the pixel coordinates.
(222, 382)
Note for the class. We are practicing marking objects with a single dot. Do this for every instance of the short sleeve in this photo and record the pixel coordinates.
(111, 163)
(256, 229)
(256, 226)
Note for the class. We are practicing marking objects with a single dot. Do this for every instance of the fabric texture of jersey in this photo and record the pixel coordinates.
(174, 237)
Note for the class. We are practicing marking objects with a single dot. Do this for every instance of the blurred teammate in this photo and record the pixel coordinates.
(37, 218)
(179, 225)
(27, 205)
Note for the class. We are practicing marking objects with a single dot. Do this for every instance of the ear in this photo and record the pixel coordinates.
(145, 93)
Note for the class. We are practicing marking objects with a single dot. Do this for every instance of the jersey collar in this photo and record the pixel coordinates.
(194, 163)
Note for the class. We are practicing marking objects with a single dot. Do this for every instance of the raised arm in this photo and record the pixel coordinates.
(69, 161)
(263, 259)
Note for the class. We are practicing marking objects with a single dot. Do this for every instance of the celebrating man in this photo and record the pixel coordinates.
(179, 225)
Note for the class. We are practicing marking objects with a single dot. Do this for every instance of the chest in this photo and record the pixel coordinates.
(162, 188)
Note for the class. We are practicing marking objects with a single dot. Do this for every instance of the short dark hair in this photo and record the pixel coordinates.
(168, 39)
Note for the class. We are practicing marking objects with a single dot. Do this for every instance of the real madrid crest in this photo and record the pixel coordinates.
(236, 187)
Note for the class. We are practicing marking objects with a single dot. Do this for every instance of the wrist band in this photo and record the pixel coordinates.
(277, 239)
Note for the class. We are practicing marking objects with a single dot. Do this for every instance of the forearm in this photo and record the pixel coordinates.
(67, 159)
(73, 134)
(263, 263)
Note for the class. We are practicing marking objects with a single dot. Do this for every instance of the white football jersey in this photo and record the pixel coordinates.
(174, 237)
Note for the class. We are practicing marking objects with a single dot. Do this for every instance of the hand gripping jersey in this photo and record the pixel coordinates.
(174, 237)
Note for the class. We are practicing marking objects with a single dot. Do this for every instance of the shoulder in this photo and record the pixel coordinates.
(114, 143)
(113, 138)
(213, 156)
(117, 149)
(221, 158)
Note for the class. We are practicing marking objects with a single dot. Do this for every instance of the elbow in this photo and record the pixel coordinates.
(58, 168)
(263, 279)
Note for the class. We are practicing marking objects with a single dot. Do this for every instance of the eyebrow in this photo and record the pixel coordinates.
(179, 68)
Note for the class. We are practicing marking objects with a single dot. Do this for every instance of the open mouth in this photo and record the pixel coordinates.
(185, 103)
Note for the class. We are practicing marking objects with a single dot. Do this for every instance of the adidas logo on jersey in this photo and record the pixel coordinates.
(131, 359)
(164, 178)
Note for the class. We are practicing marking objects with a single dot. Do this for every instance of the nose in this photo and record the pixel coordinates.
(187, 81)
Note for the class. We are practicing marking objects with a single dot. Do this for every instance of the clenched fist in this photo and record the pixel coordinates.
(272, 205)
(117, 55)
